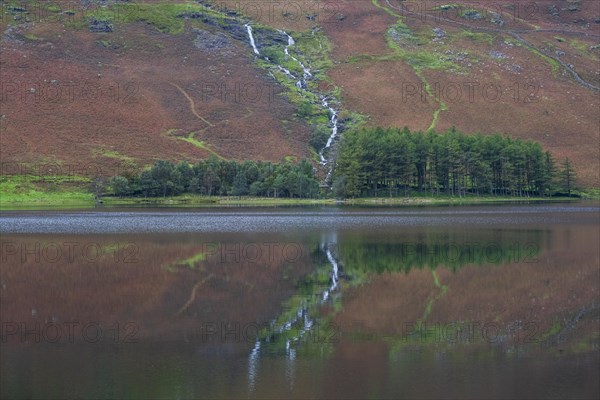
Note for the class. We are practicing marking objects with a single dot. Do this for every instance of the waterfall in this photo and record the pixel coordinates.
(306, 74)
(301, 84)
(287, 72)
(251, 36)
(333, 120)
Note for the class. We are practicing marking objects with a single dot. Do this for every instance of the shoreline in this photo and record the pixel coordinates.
(187, 201)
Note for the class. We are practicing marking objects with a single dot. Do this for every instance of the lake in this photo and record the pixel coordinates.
(335, 302)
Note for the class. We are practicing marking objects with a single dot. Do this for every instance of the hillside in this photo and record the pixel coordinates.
(481, 77)
(101, 85)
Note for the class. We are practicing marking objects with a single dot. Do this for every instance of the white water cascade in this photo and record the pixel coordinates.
(306, 74)
(287, 72)
(301, 84)
(251, 36)
(333, 122)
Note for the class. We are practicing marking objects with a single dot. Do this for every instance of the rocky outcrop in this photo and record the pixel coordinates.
(96, 25)
(209, 41)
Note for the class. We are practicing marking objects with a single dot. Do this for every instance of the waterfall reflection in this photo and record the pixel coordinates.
(300, 326)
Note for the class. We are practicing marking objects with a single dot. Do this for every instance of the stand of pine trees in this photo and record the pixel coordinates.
(374, 162)
(214, 177)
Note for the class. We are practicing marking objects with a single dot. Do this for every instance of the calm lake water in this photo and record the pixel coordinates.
(446, 302)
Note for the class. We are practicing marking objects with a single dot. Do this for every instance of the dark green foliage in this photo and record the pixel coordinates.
(306, 110)
(567, 177)
(120, 186)
(240, 184)
(393, 162)
(319, 137)
(214, 177)
(162, 180)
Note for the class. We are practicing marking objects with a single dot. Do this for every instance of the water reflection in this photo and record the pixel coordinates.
(327, 247)
(328, 312)
(293, 331)
(253, 366)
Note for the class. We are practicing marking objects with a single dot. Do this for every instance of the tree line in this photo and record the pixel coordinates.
(377, 162)
(403, 251)
(216, 177)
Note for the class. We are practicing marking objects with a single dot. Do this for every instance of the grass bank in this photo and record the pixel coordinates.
(27, 191)
(31, 192)
(75, 199)
(454, 201)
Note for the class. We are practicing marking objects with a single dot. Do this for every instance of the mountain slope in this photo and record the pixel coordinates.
(430, 68)
(129, 83)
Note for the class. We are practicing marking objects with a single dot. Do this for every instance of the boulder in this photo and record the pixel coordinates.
(96, 25)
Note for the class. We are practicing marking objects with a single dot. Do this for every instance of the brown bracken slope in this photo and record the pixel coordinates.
(73, 97)
(500, 84)
(527, 69)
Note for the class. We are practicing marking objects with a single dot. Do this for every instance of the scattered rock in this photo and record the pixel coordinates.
(463, 55)
(235, 28)
(231, 25)
(447, 7)
(516, 68)
(404, 36)
(207, 20)
(458, 57)
(560, 53)
(12, 34)
(472, 15)
(16, 9)
(191, 15)
(498, 55)
(496, 18)
(553, 10)
(267, 37)
(209, 41)
(100, 26)
(439, 32)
